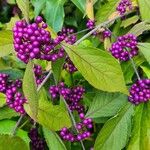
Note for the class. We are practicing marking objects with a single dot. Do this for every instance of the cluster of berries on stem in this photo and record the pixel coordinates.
(123, 6)
(125, 47)
(84, 130)
(73, 95)
(140, 91)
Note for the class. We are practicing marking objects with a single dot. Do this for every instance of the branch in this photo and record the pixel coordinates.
(100, 26)
(73, 121)
(44, 81)
(17, 124)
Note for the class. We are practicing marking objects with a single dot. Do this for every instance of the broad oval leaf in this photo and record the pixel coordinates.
(145, 49)
(139, 28)
(116, 129)
(24, 7)
(53, 140)
(30, 89)
(7, 126)
(12, 143)
(53, 117)
(98, 67)
(106, 105)
(54, 13)
(144, 6)
(6, 43)
(106, 11)
(140, 137)
(80, 4)
(7, 113)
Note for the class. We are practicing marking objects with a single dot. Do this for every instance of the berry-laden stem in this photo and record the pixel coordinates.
(73, 121)
(17, 124)
(100, 26)
(132, 62)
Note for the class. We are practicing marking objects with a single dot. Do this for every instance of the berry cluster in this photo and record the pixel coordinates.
(84, 128)
(91, 25)
(34, 41)
(106, 34)
(14, 98)
(38, 74)
(66, 34)
(36, 142)
(140, 91)
(72, 95)
(3, 82)
(125, 47)
(123, 6)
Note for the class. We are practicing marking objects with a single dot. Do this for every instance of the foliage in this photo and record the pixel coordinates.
(87, 62)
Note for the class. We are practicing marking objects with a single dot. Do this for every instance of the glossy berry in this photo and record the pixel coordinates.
(36, 143)
(125, 47)
(123, 6)
(140, 91)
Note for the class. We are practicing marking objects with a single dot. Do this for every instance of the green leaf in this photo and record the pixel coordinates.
(24, 7)
(127, 22)
(30, 89)
(53, 140)
(145, 49)
(116, 129)
(140, 137)
(106, 11)
(12, 143)
(38, 6)
(54, 13)
(13, 73)
(106, 105)
(146, 69)
(7, 126)
(6, 43)
(139, 28)
(53, 117)
(57, 68)
(80, 4)
(98, 67)
(7, 113)
(144, 6)
(2, 100)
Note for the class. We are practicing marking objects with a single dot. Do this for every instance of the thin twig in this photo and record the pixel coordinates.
(100, 26)
(17, 124)
(134, 67)
(44, 81)
(84, 30)
(73, 121)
